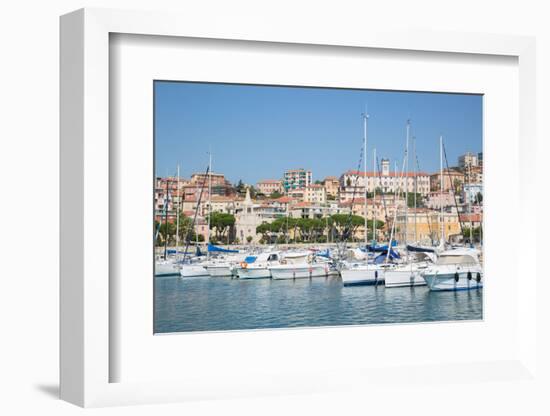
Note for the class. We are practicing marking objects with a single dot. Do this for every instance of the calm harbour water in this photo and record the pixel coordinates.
(218, 303)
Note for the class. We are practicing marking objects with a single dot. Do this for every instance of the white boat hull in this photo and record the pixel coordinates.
(361, 276)
(219, 271)
(254, 273)
(404, 276)
(166, 268)
(298, 271)
(193, 270)
(447, 279)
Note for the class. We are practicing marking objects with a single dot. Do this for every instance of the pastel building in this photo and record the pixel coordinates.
(200, 183)
(471, 191)
(436, 199)
(296, 179)
(452, 179)
(268, 186)
(332, 185)
(468, 159)
(426, 228)
(168, 195)
(315, 194)
(353, 183)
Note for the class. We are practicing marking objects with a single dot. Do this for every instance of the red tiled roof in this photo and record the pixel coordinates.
(470, 217)
(220, 198)
(269, 181)
(390, 174)
(284, 199)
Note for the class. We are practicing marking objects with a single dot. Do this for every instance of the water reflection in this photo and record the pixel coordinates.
(211, 304)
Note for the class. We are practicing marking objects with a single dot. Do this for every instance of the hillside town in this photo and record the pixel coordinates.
(277, 210)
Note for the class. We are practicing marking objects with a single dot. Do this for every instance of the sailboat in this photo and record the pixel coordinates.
(418, 259)
(165, 266)
(361, 273)
(399, 273)
(456, 269)
(188, 268)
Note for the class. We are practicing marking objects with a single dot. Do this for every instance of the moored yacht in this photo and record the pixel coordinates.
(257, 266)
(362, 273)
(224, 263)
(168, 267)
(409, 274)
(458, 269)
(193, 270)
(299, 265)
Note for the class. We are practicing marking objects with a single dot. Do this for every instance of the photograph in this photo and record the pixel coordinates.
(299, 207)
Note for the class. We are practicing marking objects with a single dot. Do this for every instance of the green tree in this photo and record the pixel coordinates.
(419, 200)
(221, 222)
(457, 184)
(167, 231)
(275, 195)
(476, 234)
(346, 225)
(186, 231)
(265, 230)
(239, 187)
(249, 239)
(281, 227)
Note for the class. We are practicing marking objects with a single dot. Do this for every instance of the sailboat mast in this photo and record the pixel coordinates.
(209, 202)
(415, 188)
(178, 209)
(365, 118)
(166, 219)
(470, 203)
(374, 196)
(407, 182)
(442, 242)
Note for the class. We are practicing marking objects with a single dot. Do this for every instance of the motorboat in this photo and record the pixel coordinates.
(257, 266)
(363, 273)
(299, 265)
(193, 270)
(457, 269)
(409, 274)
(166, 267)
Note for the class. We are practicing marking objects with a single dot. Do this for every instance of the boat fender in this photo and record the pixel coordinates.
(478, 277)
(376, 274)
(456, 276)
(244, 264)
(469, 275)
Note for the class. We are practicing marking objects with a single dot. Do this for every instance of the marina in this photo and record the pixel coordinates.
(384, 242)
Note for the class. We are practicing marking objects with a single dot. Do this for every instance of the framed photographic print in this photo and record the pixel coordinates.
(262, 242)
(277, 213)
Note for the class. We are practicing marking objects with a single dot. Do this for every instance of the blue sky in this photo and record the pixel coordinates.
(256, 132)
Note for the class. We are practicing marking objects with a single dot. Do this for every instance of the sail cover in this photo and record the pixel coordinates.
(379, 249)
(381, 258)
(324, 253)
(420, 249)
(216, 249)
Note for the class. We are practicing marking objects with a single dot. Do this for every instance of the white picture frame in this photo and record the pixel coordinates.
(86, 301)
